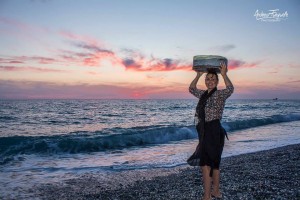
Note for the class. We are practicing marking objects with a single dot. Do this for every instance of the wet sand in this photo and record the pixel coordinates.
(270, 174)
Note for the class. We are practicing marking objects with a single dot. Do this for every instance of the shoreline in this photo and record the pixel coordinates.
(267, 174)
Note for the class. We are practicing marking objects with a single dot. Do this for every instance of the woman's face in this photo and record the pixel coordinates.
(211, 81)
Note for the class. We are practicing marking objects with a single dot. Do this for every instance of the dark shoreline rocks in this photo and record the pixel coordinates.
(270, 174)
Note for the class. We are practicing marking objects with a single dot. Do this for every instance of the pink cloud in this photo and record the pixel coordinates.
(236, 64)
(44, 60)
(155, 64)
(296, 81)
(24, 59)
(16, 62)
(96, 58)
(76, 37)
(12, 60)
(93, 51)
(33, 69)
(294, 65)
(44, 90)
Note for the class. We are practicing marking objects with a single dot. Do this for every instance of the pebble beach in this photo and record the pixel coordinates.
(269, 174)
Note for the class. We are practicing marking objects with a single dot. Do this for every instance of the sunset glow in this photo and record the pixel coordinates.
(140, 50)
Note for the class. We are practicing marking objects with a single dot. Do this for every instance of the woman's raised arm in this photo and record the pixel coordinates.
(193, 84)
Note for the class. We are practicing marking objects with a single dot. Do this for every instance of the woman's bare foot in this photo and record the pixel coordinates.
(205, 197)
(216, 194)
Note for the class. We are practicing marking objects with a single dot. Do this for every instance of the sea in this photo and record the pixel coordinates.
(48, 141)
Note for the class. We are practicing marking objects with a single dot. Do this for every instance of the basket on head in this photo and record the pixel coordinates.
(207, 63)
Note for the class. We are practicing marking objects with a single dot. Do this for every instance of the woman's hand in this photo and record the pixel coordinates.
(200, 73)
(223, 68)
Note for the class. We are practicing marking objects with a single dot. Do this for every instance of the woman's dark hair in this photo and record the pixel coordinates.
(213, 73)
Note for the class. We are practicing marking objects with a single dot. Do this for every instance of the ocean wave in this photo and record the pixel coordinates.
(122, 138)
(251, 123)
(85, 143)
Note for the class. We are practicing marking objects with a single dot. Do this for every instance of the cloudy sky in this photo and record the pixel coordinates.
(132, 49)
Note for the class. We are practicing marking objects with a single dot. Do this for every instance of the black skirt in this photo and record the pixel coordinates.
(209, 150)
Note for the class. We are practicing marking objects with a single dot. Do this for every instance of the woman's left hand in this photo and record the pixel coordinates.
(223, 68)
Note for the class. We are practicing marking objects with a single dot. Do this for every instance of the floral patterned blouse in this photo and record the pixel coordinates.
(215, 103)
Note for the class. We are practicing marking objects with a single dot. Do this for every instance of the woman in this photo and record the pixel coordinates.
(210, 132)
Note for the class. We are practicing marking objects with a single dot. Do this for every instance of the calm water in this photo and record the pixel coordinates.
(49, 140)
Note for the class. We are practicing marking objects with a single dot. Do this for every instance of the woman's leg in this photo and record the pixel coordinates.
(206, 182)
(216, 183)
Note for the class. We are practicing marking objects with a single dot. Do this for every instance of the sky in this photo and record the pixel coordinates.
(132, 49)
